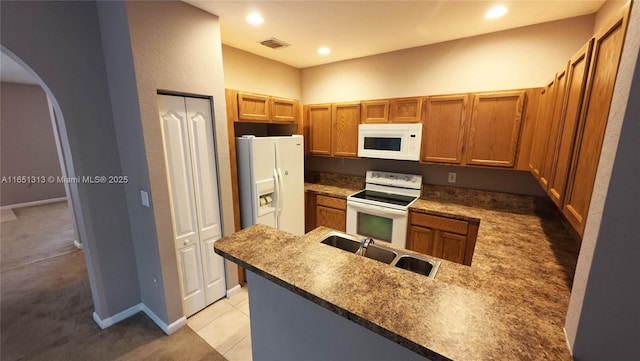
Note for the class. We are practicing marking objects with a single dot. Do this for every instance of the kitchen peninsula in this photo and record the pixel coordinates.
(510, 304)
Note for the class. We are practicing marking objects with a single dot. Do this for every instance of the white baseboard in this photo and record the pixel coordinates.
(233, 291)
(34, 203)
(140, 307)
(110, 321)
(168, 329)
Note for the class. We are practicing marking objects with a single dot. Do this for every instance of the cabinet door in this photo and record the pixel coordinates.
(421, 239)
(548, 161)
(345, 119)
(543, 123)
(319, 118)
(332, 218)
(309, 211)
(595, 111)
(375, 111)
(443, 131)
(576, 84)
(450, 246)
(495, 128)
(284, 110)
(254, 107)
(405, 110)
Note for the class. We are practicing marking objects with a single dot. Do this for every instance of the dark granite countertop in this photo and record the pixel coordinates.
(509, 304)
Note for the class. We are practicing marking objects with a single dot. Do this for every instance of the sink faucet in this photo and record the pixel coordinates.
(364, 244)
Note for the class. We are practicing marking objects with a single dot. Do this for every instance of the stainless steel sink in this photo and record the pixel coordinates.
(409, 261)
(342, 242)
(381, 254)
(421, 265)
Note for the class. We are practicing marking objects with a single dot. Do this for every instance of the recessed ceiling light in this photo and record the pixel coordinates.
(496, 12)
(255, 19)
(324, 51)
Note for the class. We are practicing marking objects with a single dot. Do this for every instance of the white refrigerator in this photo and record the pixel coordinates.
(271, 181)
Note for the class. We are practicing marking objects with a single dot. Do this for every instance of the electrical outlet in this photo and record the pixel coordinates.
(452, 177)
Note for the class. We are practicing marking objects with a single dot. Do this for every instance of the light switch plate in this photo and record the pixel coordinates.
(144, 196)
(452, 177)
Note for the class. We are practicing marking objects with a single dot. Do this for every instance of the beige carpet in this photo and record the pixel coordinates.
(46, 314)
(38, 233)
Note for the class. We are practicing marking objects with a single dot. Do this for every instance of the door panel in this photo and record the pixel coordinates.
(191, 283)
(290, 162)
(213, 267)
(204, 167)
(178, 162)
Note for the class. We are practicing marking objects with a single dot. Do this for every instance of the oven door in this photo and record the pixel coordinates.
(380, 223)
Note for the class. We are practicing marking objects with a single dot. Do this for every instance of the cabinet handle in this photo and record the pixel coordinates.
(186, 242)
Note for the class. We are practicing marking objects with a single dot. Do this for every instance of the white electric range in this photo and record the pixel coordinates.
(381, 210)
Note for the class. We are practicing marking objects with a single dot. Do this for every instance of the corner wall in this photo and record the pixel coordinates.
(176, 47)
(28, 145)
(252, 73)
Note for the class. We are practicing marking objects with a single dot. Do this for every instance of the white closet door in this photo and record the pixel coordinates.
(205, 182)
(175, 135)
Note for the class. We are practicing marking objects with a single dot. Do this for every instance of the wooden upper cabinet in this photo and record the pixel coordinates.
(549, 159)
(284, 110)
(254, 107)
(543, 124)
(570, 114)
(444, 124)
(375, 111)
(495, 128)
(345, 120)
(266, 109)
(405, 110)
(607, 49)
(319, 119)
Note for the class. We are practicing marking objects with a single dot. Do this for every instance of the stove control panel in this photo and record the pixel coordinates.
(394, 179)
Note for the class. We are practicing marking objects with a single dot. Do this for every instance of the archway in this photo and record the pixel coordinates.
(71, 188)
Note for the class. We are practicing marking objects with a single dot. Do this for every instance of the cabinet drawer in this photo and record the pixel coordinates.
(331, 202)
(442, 223)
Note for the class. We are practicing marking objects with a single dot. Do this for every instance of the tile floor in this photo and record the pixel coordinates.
(225, 326)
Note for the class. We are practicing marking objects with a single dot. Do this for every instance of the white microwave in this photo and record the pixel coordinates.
(390, 141)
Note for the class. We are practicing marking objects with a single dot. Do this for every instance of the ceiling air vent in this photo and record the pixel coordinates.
(274, 43)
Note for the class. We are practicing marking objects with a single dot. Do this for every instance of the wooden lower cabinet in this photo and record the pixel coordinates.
(442, 237)
(331, 212)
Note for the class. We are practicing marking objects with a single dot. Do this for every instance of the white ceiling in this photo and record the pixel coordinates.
(355, 29)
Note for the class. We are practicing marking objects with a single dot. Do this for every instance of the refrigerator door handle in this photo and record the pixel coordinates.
(278, 192)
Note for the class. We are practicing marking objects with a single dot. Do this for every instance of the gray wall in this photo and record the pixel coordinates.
(60, 42)
(496, 180)
(128, 125)
(28, 144)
